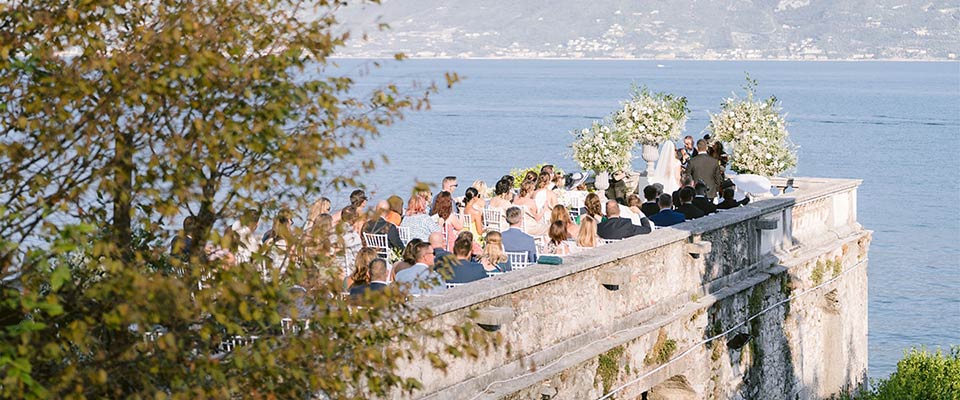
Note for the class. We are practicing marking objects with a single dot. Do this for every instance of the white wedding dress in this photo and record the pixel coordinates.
(667, 170)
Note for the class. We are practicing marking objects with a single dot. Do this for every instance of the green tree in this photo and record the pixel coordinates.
(920, 374)
(117, 119)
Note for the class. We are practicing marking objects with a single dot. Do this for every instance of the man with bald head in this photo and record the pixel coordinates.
(381, 226)
(617, 227)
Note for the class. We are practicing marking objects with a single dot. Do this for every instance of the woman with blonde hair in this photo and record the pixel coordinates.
(588, 232)
(318, 208)
(493, 257)
(360, 275)
(482, 188)
(561, 214)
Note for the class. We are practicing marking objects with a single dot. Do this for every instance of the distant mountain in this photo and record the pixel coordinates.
(658, 29)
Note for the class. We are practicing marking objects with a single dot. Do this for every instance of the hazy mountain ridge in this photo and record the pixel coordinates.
(656, 29)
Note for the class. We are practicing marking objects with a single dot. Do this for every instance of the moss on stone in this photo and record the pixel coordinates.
(836, 266)
(817, 274)
(662, 349)
(608, 367)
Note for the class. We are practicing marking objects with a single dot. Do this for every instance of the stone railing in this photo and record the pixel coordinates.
(549, 314)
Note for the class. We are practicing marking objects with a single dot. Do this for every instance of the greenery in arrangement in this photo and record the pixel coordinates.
(519, 173)
(921, 374)
(756, 132)
(119, 118)
(652, 118)
(602, 149)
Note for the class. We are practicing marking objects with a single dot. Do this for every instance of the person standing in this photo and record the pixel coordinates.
(706, 169)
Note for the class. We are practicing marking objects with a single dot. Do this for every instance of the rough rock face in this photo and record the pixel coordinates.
(776, 309)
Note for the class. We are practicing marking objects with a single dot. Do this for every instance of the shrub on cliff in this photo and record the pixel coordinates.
(921, 374)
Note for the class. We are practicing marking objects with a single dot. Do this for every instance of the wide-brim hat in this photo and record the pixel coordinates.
(576, 179)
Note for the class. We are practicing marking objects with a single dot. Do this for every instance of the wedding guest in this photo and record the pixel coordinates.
(421, 225)
(493, 257)
(421, 278)
(558, 236)
(449, 185)
(182, 244)
(244, 230)
(278, 241)
(438, 246)
(715, 150)
(561, 214)
(588, 232)
(686, 204)
(360, 273)
(729, 201)
(358, 199)
(701, 201)
(514, 239)
(318, 208)
(377, 282)
(444, 216)
(632, 210)
(394, 213)
(381, 226)
(482, 190)
(593, 207)
(687, 152)
(532, 215)
(547, 168)
(407, 258)
(706, 169)
(728, 184)
(544, 196)
(667, 216)
(502, 196)
(685, 181)
(650, 207)
(616, 227)
(347, 240)
(530, 176)
(473, 206)
(464, 270)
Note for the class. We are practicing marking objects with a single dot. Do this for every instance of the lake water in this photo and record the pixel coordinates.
(896, 125)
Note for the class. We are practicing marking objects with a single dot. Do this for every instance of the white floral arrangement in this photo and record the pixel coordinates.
(601, 148)
(757, 134)
(652, 118)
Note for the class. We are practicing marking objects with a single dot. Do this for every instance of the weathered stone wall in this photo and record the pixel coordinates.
(788, 271)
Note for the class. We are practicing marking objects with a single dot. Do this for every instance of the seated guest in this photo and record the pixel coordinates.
(701, 201)
(558, 236)
(650, 207)
(685, 181)
(632, 213)
(420, 224)
(443, 214)
(407, 258)
(616, 227)
(378, 279)
(593, 208)
(689, 210)
(667, 216)
(449, 184)
(514, 239)
(437, 245)
(421, 278)
(561, 214)
(317, 209)
(182, 244)
(588, 233)
(502, 195)
(394, 213)
(728, 200)
(381, 226)
(463, 270)
(360, 273)
(493, 257)
(358, 199)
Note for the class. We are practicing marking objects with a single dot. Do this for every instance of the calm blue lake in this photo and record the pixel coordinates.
(895, 125)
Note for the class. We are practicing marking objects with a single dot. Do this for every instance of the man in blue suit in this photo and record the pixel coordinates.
(378, 280)
(514, 239)
(667, 216)
(463, 270)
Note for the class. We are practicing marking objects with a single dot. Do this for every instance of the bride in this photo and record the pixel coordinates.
(667, 170)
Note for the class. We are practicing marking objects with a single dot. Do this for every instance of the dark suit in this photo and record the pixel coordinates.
(690, 211)
(622, 228)
(727, 204)
(466, 271)
(358, 290)
(649, 208)
(667, 217)
(704, 205)
(707, 169)
(381, 226)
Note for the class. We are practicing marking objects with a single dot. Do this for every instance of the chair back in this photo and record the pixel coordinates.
(467, 220)
(493, 219)
(404, 234)
(518, 259)
(379, 242)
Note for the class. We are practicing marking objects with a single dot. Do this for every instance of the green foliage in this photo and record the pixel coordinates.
(816, 275)
(122, 117)
(662, 349)
(608, 367)
(920, 374)
(519, 173)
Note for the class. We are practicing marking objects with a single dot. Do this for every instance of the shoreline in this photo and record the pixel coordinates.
(489, 58)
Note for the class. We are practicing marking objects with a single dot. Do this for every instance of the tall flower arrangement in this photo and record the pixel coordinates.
(652, 118)
(756, 131)
(601, 148)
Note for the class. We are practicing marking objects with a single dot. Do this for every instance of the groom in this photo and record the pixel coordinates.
(707, 169)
